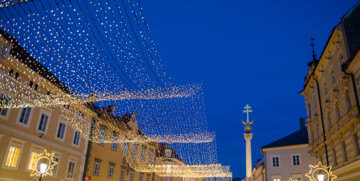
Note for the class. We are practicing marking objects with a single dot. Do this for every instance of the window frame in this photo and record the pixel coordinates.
(132, 175)
(57, 165)
(33, 149)
(134, 151)
(113, 169)
(122, 174)
(57, 130)
(114, 145)
(78, 140)
(29, 118)
(101, 137)
(10, 96)
(150, 158)
(48, 114)
(13, 142)
(272, 161)
(143, 153)
(96, 169)
(126, 148)
(292, 159)
(67, 169)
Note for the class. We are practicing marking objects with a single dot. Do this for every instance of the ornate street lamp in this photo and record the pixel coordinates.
(320, 172)
(44, 165)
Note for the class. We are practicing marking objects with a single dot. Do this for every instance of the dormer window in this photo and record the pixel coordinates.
(17, 75)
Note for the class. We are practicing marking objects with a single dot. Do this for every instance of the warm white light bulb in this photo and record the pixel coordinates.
(43, 167)
(321, 176)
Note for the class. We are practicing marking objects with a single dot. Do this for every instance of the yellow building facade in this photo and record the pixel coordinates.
(25, 132)
(331, 94)
(119, 160)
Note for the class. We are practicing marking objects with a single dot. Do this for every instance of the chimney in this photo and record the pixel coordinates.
(302, 123)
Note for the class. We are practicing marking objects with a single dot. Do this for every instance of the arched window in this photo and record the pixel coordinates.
(325, 89)
(337, 112)
(347, 100)
(332, 76)
(328, 120)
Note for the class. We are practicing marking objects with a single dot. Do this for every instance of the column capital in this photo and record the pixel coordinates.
(248, 136)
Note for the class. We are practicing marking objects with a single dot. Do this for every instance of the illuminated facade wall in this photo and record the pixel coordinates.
(332, 100)
(119, 161)
(25, 132)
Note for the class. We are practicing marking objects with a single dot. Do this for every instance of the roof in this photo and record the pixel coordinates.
(297, 138)
(24, 57)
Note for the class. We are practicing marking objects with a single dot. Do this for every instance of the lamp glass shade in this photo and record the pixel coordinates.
(43, 167)
(321, 176)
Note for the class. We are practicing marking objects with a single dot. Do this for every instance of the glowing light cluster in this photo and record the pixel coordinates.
(44, 157)
(103, 53)
(315, 169)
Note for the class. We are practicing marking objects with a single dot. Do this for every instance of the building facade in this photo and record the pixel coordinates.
(288, 157)
(119, 160)
(25, 132)
(331, 94)
(258, 172)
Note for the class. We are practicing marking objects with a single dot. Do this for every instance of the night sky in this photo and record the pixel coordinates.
(244, 52)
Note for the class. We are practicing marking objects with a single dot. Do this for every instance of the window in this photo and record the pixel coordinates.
(11, 71)
(150, 156)
(34, 155)
(334, 156)
(344, 151)
(24, 116)
(325, 89)
(43, 123)
(111, 171)
(115, 140)
(122, 173)
(4, 100)
(143, 153)
(132, 175)
(134, 152)
(31, 83)
(348, 101)
(332, 76)
(141, 178)
(356, 143)
(36, 87)
(56, 166)
(275, 161)
(337, 112)
(147, 177)
(61, 130)
(76, 138)
(71, 169)
(102, 134)
(126, 148)
(17, 75)
(296, 160)
(276, 177)
(13, 155)
(96, 167)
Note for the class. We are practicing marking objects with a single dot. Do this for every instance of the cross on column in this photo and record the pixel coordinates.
(247, 110)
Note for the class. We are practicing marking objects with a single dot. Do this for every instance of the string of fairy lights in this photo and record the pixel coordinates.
(101, 53)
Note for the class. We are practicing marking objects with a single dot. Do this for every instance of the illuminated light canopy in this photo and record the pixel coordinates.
(325, 171)
(44, 165)
(102, 51)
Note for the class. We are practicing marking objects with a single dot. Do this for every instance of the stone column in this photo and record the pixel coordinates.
(248, 137)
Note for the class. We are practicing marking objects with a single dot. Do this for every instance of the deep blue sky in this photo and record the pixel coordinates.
(245, 52)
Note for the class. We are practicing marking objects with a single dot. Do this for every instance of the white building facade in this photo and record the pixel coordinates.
(288, 158)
